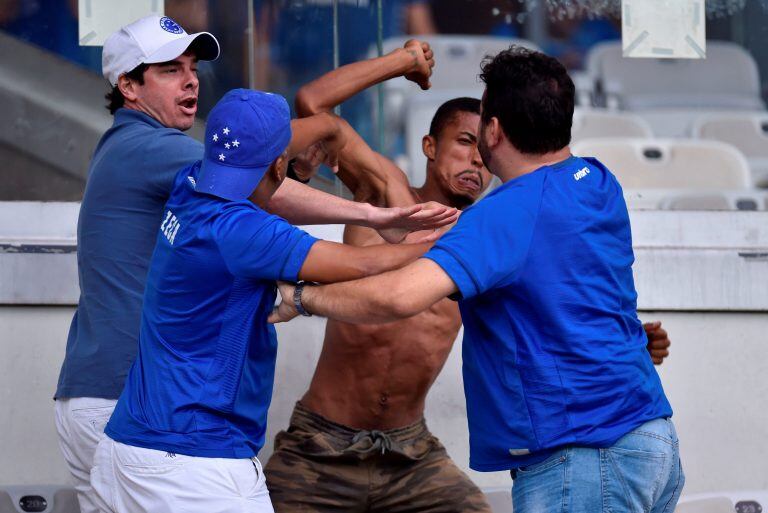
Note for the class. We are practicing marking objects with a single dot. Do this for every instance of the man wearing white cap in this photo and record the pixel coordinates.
(151, 65)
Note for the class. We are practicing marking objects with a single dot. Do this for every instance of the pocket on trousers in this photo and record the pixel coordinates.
(633, 484)
(138, 460)
(93, 419)
(558, 458)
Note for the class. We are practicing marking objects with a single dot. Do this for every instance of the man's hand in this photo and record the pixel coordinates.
(423, 62)
(286, 310)
(308, 162)
(658, 341)
(394, 224)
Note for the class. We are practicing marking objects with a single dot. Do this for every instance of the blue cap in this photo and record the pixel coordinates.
(246, 131)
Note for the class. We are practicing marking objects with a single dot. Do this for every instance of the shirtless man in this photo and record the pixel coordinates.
(357, 439)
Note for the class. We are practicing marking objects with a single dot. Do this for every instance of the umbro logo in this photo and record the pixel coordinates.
(581, 173)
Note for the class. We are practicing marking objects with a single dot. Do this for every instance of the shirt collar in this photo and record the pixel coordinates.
(124, 115)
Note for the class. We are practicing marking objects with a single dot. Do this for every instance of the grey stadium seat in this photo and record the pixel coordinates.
(40, 498)
(727, 79)
(748, 131)
(683, 164)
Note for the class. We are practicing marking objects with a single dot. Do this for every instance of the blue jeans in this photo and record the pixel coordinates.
(641, 473)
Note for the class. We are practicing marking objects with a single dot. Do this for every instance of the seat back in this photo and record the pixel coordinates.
(597, 123)
(38, 498)
(669, 163)
(727, 78)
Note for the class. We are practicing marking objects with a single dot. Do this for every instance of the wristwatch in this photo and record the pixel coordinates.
(291, 172)
(297, 299)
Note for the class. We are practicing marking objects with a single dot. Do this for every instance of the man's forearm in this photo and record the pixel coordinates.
(383, 298)
(302, 204)
(335, 87)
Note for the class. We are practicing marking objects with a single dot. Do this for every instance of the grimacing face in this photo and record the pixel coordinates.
(457, 163)
(170, 90)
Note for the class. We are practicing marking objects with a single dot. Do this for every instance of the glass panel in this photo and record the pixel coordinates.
(279, 45)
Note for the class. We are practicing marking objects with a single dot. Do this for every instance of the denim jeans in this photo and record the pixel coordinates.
(641, 473)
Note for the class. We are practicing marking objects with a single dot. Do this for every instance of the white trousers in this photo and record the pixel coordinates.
(80, 424)
(131, 479)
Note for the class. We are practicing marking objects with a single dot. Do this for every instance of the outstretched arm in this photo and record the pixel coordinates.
(378, 299)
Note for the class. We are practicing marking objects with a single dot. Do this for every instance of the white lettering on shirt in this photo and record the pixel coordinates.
(170, 226)
(581, 173)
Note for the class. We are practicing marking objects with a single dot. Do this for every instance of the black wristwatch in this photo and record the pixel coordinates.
(291, 173)
(297, 299)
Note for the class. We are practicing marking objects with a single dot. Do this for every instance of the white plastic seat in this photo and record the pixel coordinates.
(597, 123)
(709, 505)
(41, 498)
(499, 498)
(685, 164)
(727, 78)
(748, 131)
(741, 501)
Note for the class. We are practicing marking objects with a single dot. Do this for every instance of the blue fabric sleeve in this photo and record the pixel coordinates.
(166, 155)
(255, 244)
(489, 245)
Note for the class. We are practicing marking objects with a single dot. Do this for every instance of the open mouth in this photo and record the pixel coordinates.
(189, 105)
(470, 181)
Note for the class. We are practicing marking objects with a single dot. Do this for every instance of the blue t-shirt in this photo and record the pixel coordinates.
(553, 352)
(202, 381)
(129, 181)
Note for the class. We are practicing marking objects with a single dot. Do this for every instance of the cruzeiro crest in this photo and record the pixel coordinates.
(170, 26)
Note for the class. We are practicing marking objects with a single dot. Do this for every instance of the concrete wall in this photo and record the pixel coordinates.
(715, 380)
(715, 377)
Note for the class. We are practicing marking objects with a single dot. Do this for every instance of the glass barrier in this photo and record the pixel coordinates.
(279, 45)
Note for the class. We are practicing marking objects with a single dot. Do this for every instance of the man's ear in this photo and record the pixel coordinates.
(127, 88)
(429, 146)
(493, 132)
(279, 168)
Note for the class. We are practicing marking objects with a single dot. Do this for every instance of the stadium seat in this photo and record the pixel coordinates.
(727, 79)
(748, 131)
(709, 505)
(592, 123)
(499, 498)
(40, 498)
(686, 164)
(739, 501)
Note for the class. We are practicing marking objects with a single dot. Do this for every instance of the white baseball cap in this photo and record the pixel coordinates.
(151, 40)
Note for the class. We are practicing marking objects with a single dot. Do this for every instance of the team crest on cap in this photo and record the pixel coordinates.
(171, 26)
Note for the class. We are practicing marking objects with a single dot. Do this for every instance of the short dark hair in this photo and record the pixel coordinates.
(447, 111)
(115, 98)
(532, 96)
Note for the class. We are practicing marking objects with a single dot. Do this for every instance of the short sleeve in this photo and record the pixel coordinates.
(255, 244)
(489, 245)
(170, 152)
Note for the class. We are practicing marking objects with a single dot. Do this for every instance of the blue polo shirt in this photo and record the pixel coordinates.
(553, 352)
(129, 181)
(202, 381)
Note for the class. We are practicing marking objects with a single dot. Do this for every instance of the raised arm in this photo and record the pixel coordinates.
(414, 61)
(300, 204)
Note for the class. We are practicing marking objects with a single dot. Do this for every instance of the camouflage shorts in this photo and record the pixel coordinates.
(321, 466)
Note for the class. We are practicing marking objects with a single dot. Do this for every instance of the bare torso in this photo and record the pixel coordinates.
(378, 376)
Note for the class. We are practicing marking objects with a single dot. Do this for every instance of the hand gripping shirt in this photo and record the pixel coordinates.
(553, 351)
(129, 181)
(202, 381)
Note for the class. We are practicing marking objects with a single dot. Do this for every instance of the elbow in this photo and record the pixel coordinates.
(394, 304)
(306, 103)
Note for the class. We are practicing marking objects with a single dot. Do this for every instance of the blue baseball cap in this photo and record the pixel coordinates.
(246, 131)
